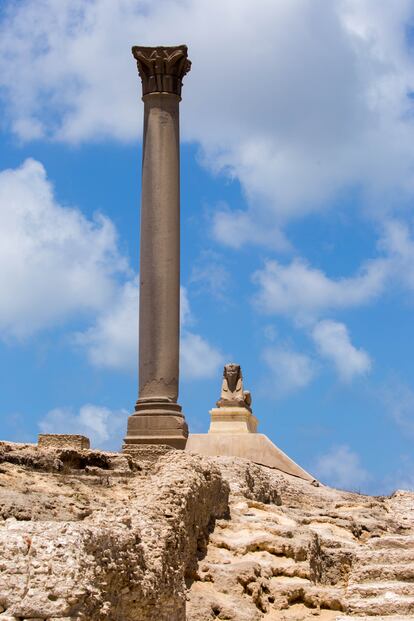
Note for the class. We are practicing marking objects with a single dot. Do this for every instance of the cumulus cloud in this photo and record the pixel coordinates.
(112, 342)
(54, 262)
(333, 342)
(398, 398)
(305, 294)
(210, 275)
(186, 317)
(337, 78)
(56, 265)
(290, 370)
(236, 229)
(104, 427)
(301, 291)
(398, 243)
(403, 477)
(199, 359)
(341, 467)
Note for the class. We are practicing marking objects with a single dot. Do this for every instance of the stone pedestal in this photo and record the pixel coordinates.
(233, 430)
(158, 418)
(232, 420)
(157, 422)
(255, 447)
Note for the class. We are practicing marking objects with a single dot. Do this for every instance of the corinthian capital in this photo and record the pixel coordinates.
(162, 68)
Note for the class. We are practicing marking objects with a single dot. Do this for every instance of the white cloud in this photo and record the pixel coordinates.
(290, 370)
(186, 317)
(104, 427)
(199, 359)
(336, 78)
(210, 275)
(398, 399)
(333, 342)
(54, 262)
(398, 243)
(112, 342)
(403, 477)
(303, 292)
(55, 265)
(236, 229)
(341, 467)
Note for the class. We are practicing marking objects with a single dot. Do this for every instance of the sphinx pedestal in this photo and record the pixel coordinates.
(232, 420)
(233, 433)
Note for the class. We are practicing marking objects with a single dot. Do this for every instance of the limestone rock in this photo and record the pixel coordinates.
(102, 544)
(316, 553)
(92, 536)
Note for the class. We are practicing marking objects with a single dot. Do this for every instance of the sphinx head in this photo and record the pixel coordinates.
(232, 373)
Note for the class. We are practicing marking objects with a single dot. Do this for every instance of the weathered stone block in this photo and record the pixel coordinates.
(232, 420)
(63, 440)
(147, 452)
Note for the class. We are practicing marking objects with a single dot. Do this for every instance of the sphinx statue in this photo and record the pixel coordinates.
(232, 393)
(233, 430)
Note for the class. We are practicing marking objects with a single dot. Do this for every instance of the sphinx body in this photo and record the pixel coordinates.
(232, 393)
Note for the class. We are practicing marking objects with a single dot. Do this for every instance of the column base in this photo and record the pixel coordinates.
(156, 422)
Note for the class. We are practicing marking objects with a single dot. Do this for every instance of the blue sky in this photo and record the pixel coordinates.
(297, 224)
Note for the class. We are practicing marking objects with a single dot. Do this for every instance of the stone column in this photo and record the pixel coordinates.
(158, 418)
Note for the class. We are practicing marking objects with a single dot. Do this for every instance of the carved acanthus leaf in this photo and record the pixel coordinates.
(162, 69)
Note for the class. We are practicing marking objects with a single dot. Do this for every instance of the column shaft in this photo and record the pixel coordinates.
(159, 316)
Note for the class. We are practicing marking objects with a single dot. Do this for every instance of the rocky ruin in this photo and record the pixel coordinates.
(159, 534)
(91, 535)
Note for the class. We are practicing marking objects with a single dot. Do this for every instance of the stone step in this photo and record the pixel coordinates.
(396, 542)
(395, 556)
(388, 603)
(384, 588)
(403, 572)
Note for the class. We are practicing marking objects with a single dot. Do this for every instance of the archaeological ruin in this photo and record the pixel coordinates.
(189, 527)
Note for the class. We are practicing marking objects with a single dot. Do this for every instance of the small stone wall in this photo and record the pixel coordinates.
(63, 440)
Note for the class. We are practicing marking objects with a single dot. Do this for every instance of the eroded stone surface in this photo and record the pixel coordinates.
(315, 553)
(88, 535)
(91, 535)
(63, 440)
